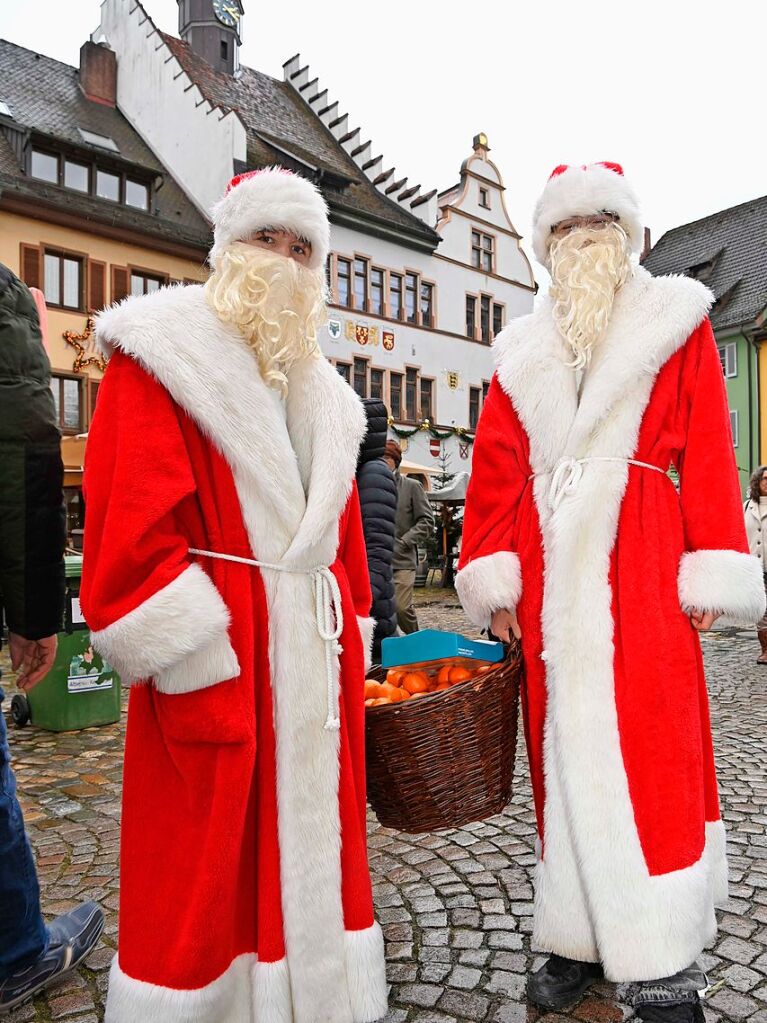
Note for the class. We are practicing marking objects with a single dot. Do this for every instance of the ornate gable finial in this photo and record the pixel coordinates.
(481, 145)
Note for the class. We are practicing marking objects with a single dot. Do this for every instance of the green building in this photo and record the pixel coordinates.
(727, 252)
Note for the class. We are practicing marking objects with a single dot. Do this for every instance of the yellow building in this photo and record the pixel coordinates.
(87, 216)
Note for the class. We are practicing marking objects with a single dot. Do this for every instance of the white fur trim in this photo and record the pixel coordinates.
(180, 620)
(593, 876)
(217, 662)
(579, 192)
(272, 198)
(367, 631)
(726, 582)
(294, 472)
(250, 990)
(488, 584)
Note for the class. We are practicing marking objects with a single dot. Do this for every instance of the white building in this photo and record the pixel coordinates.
(420, 281)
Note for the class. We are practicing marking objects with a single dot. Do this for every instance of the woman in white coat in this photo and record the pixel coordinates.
(755, 510)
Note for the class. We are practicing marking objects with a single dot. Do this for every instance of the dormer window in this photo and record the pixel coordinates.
(44, 166)
(89, 178)
(103, 141)
(77, 176)
(5, 109)
(136, 194)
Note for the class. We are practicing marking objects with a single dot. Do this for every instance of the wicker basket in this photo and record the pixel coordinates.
(445, 760)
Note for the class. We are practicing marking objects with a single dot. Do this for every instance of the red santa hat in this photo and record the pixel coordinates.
(585, 192)
(274, 198)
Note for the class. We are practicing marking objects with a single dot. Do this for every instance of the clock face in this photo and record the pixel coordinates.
(227, 12)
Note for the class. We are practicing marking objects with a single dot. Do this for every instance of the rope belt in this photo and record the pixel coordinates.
(329, 620)
(568, 471)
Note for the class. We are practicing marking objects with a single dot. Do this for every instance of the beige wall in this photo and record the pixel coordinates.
(17, 230)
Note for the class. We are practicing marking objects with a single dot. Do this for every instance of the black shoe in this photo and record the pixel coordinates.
(688, 1011)
(72, 936)
(560, 982)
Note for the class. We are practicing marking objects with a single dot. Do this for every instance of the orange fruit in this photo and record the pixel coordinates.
(369, 703)
(372, 689)
(394, 676)
(415, 682)
(382, 702)
(441, 687)
(390, 692)
(443, 675)
(416, 695)
(459, 675)
(484, 669)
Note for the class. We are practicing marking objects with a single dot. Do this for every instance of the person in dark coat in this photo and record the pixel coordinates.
(378, 498)
(32, 537)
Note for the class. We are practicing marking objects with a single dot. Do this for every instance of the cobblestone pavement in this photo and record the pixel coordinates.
(456, 908)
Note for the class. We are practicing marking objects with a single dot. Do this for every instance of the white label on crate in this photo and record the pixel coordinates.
(77, 615)
(87, 683)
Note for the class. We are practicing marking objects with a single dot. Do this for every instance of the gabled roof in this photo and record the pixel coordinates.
(45, 99)
(279, 124)
(727, 251)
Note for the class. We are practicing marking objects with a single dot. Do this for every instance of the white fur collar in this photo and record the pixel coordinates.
(302, 462)
(652, 318)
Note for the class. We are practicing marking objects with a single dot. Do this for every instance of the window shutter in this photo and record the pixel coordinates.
(30, 266)
(93, 389)
(119, 283)
(97, 285)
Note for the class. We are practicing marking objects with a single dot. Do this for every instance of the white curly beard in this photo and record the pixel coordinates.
(275, 303)
(588, 266)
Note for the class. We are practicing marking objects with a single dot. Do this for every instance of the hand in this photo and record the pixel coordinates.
(31, 658)
(702, 621)
(503, 623)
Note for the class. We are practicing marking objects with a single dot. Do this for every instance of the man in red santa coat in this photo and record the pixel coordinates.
(576, 537)
(224, 438)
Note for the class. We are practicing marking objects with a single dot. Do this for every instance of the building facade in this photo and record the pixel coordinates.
(420, 281)
(88, 215)
(726, 252)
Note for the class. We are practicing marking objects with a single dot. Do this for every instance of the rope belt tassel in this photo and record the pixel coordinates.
(329, 618)
(568, 472)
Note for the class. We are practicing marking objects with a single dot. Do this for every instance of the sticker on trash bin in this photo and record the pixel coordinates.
(87, 672)
(77, 614)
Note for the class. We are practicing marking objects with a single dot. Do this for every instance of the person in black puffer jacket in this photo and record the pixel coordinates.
(378, 498)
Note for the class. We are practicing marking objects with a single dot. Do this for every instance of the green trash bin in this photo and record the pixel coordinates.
(81, 690)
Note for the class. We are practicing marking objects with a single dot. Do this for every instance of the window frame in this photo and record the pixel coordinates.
(735, 427)
(340, 364)
(93, 167)
(382, 271)
(398, 276)
(729, 368)
(432, 413)
(484, 197)
(61, 376)
(501, 307)
(43, 151)
(358, 360)
(398, 413)
(416, 291)
(81, 258)
(356, 275)
(348, 277)
(147, 274)
(480, 249)
(484, 297)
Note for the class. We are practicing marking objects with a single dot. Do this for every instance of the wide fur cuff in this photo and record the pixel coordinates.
(488, 584)
(725, 582)
(184, 617)
(217, 662)
(367, 629)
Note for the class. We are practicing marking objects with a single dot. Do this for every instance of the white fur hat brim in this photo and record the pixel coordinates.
(274, 198)
(583, 192)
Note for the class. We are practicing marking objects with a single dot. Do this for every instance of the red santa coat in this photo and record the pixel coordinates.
(602, 560)
(245, 891)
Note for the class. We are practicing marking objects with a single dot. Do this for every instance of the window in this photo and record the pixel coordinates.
(734, 427)
(485, 389)
(104, 141)
(395, 296)
(411, 394)
(5, 109)
(482, 251)
(427, 399)
(427, 295)
(224, 49)
(62, 280)
(377, 291)
(76, 175)
(484, 318)
(728, 354)
(475, 397)
(361, 284)
(344, 274)
(143, 284)
(471, 316)
(395, 394)
(497, 318)
(67, 398)
(377, 384)
(484, 198)
(361, 377)
(108, 185)
(45, 166)
(344, 370)
(411, 291)
(136, 194)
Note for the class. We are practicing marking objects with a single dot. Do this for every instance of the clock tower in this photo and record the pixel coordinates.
(212, 28)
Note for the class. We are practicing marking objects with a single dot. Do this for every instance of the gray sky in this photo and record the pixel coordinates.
(675, 92)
